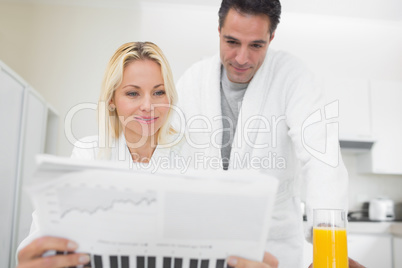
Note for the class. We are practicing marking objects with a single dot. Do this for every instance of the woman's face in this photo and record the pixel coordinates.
(141, 101)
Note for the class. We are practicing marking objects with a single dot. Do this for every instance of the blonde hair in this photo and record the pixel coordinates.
(124, 55)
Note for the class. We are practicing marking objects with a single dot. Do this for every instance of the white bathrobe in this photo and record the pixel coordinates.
(278, 100)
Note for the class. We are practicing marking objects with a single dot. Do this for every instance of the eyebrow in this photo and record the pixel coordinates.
(140, 87)
(235, 39)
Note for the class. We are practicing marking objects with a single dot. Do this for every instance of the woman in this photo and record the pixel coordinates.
(135, 126)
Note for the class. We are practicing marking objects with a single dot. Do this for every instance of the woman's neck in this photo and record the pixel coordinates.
(141, 150)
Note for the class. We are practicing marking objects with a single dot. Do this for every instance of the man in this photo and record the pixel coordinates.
(252, 106)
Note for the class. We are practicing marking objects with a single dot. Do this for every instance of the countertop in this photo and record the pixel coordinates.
(392, 228)
(374, 227)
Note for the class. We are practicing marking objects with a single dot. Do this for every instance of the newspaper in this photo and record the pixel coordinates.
(126, 218)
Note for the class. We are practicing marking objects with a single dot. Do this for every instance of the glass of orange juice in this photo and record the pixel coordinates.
(330, 248)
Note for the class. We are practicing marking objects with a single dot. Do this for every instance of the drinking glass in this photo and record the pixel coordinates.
(330, 248)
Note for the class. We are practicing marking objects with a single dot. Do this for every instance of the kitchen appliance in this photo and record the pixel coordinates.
(381, 209)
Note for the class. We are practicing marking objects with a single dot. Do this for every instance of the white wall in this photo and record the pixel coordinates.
(63, 50)
(363, 187)
(186, 33)
(15, 36)
(347, 47)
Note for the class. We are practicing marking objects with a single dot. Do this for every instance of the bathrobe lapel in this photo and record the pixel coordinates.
(250, 112)
(212, 109)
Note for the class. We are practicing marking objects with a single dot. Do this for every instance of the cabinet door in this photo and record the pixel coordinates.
(387, 127)
(35, 115)
(354, 106)
(397, 245)
(370, 250)
(11, 100)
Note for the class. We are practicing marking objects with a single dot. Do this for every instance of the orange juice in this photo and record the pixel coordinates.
(330, 248)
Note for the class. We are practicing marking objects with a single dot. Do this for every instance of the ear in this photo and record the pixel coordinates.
(111, 106)
(272, 37)
(219, 30)
(111, 101)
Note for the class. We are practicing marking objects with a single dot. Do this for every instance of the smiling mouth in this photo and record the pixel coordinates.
(238, 69)
(146, 120)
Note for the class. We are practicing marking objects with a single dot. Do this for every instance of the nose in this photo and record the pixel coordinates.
(146, 104)
(242, 55)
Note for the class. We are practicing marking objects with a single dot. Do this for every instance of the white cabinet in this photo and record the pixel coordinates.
(397, 245)
(33, 138)
(370, 114)
(386, 154)
(29, 127)
(11, 100)
(371, 250)
(354, 106)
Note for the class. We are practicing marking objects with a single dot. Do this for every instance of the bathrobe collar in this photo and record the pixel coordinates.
(252, 105)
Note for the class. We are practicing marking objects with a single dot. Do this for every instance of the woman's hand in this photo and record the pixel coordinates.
(270, 261)
(31, 255)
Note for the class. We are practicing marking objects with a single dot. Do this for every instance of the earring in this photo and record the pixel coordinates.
(112, 107)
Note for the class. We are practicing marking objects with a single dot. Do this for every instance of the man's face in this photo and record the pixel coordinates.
(244, 41)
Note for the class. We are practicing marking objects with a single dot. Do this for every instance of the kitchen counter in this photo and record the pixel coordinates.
(374, 227)
(392, 228)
